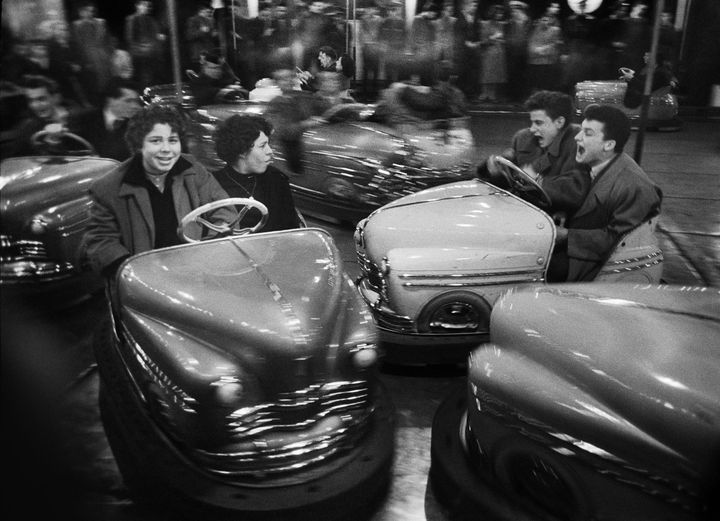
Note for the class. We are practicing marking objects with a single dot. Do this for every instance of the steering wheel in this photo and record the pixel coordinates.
(521, 183)
(59, 143)
(197, 216)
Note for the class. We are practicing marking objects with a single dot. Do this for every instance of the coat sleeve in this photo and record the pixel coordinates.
(102, 244)
(568, 188)
(626, 205)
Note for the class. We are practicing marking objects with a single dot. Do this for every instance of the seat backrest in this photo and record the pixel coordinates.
(637, 256)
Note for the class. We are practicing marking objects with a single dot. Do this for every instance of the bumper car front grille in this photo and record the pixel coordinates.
(24, 260)
(299, 429)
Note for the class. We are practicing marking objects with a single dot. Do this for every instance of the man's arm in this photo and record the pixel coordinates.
(628, 205)
(568, 187)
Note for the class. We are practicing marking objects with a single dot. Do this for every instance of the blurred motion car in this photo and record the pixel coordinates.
(44, 204)
(432, 264)
(238, 381)
(663, 110)
(592, 401)
(354, 163)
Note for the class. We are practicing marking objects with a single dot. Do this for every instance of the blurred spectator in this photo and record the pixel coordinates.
(200, 33)
(584, 55)
(121, 102)
(312, 30)
(469, 55)
(64, 66)
(213, 76)
(544, 47)
(144, 41)
(393, 39)
(421, 43)
(446, 40)
(637, 35)
(493, 68)
(614, 27)
(331, 91)
(517, 33)
(92, 45)
(122, 65)
(370, 51)
(248, 34)
(443, 100)
(669, 42)
(291, 113)
(276, 40)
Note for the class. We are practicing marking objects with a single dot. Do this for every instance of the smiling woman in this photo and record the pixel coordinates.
(139, 205)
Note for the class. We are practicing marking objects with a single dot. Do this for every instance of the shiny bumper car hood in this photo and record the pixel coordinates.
(640, 361)
(31, 184)
(459, 226)
(266, 300)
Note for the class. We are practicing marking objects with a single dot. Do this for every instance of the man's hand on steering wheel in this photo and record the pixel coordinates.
(521, 183)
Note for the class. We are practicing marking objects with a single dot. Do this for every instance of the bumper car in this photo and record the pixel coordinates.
(592, 401)
(238, 380)
(45, 209)
(662, 113)
(433, 263)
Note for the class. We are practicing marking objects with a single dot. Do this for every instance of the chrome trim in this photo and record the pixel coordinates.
(646, 261)
(27, 261)
(269, 438)
(531, 276)
(601, 462)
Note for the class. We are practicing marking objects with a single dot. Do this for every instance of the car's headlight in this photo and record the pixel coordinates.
(229, 391)
(364, 356)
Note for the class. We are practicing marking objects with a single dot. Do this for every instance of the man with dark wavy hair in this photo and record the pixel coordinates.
(546, 151)
(138, 206)
(621, 197)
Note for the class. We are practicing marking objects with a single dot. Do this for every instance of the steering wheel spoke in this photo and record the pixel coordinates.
(521, 183)
(232, 224)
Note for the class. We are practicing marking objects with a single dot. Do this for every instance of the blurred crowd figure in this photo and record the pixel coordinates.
(494, 51)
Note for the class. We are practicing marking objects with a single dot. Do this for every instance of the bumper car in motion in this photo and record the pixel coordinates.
(45, 207)
(238, 381)
(433, 263)
(592, 401)
(663, 110)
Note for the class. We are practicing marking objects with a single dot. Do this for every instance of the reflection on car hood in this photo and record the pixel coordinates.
(29, 184)
(261, 298)
(466, 216)
(642, 360)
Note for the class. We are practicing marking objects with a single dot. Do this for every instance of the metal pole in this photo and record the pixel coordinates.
(659, 6)
(174, 48)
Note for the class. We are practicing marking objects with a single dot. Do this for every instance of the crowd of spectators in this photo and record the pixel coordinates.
(495, 51)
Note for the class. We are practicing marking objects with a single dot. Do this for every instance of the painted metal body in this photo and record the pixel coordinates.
(252, 359)
(595, 401)
(663, 110)
(433, 263)
(45, 209)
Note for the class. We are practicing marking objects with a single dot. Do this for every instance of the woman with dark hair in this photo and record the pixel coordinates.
(242, 141)
(139, 205)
